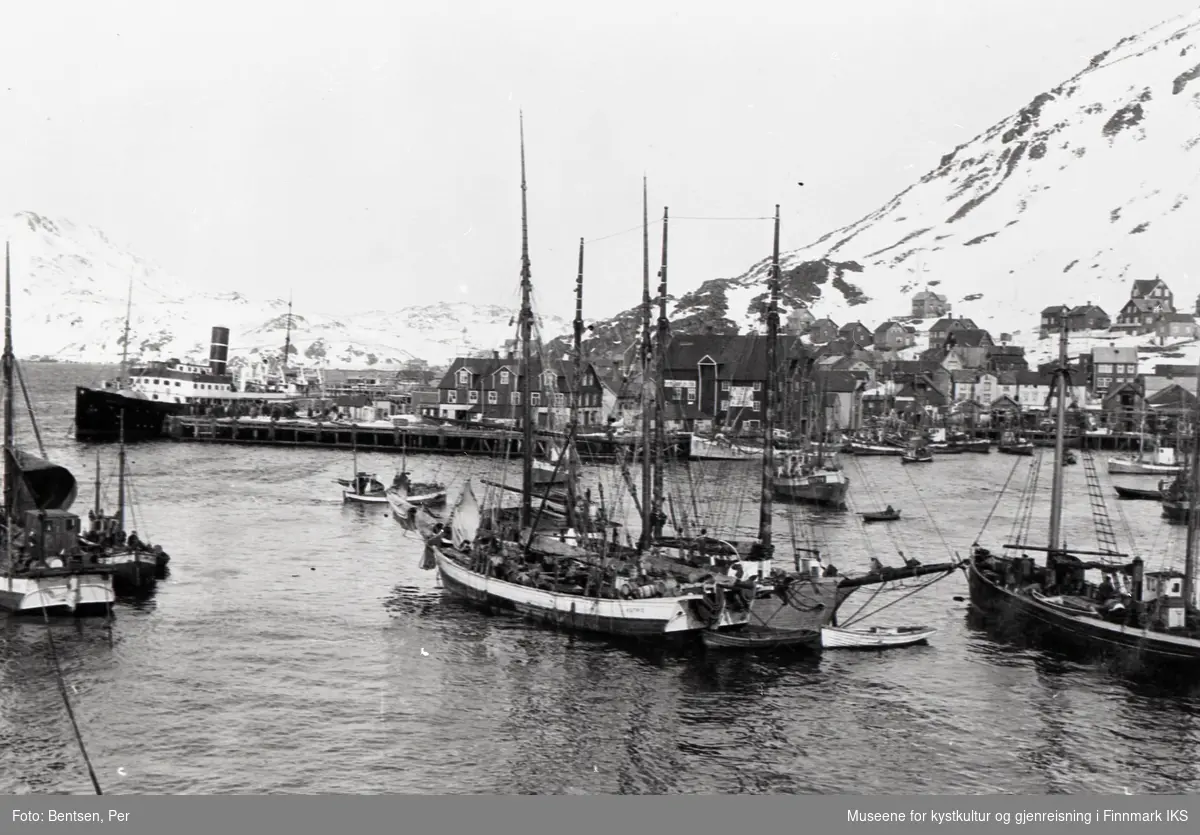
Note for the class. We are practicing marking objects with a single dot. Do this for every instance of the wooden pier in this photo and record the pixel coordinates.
(418, 439)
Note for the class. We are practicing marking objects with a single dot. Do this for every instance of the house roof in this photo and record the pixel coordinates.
(1142, 286)
(837, 381)
(1032, 378)
(823, 320)
(1086, 309)
(928, 294)
(1006, 378)
(1006, 350)
(1179, 317)
(1143, 305)
(1053, 309)
(962, 376)
(1004, 401)
(736, 357)
(486, 366)
(970, 337)
(1106, 353)
(849, 326)
(949, 322)
(886, 326)
(1172, 394)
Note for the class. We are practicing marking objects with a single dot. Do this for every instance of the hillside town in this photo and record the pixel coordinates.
(947, 371)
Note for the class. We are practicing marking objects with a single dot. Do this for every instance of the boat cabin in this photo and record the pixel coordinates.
(1165, 588)
(51, 533)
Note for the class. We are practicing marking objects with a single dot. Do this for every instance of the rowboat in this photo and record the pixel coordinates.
(889, 515)
(874, 637)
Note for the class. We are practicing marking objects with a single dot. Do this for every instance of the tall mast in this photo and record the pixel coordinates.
(124, 381)
(526, 324)
(576, 392)
(96, 504)
(660, 356)
(121, 475)
(1056, 495)
(766, 506)
(647, 379)
(1189, 558)
(9, 449)
(287, 340)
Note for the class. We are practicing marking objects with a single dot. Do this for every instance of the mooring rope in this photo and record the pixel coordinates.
(62, 689)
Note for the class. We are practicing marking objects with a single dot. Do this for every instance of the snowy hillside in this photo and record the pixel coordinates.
(70, 286)
(1093, 184)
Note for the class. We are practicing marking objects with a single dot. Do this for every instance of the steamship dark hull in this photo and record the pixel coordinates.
(98, 416)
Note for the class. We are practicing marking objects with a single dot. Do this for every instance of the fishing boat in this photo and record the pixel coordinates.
(44, 571)
(720, 448)
(789, 608)
(1160, 462)
(917, 453)
(1144, 619)
(1138, 493)
(875, 637)
(860, 448)
(136, 565)
(573, 578)
(364, 488)
(1013, 444)
(890, 514)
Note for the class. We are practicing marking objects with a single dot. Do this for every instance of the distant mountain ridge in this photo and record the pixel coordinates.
(70, 285)
(1068, 200)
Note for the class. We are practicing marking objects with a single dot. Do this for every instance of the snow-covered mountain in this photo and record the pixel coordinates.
(70, 291)
(1091, 185)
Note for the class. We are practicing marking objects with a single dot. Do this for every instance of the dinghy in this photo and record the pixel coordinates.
(874, 637)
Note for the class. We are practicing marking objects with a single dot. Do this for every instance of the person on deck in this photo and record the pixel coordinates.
(133, 542)
(1106, 591)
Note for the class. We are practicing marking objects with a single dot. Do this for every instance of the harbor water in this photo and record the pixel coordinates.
(298, 648)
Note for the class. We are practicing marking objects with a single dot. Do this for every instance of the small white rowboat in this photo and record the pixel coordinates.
(874, 637)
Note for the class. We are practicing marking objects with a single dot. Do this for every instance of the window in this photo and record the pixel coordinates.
(535, 399)
(560, 400)
(472, 396)
(691, 395)
(757, 406)
(464, 377)
(504, 378)
(176, 382)
(724, 385)
(452, 396)
(514, 398)
(724, 405)
(758, 386)
(678, 392)
(493, 398)
(752, 424)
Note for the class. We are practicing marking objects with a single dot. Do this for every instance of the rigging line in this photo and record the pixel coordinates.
(921, 587)
(1000, 497)
(29, 406)
(62, 689)
(932, 521)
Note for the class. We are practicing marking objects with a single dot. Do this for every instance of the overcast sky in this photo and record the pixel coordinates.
(365, 153)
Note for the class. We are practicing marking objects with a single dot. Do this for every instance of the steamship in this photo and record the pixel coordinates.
(148, 395)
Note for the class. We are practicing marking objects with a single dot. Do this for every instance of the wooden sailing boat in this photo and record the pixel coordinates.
(501, 560)
(813, 476)
(136, 565)
(1160, 461)
(405, 495)
(789, 609)
(364, 488)
(44, 570)
(1144, 618)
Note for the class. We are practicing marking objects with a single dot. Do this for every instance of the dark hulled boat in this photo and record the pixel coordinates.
(1144, 619)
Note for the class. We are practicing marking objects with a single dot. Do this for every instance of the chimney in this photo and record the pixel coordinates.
(495, 355)
(218, 354)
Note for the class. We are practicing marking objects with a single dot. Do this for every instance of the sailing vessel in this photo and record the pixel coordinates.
(917, 453)
(1160, 462)
(44, 570)
(1144, 618)
(576, 579)
(719, 447)
(136, 565)
(1013, 444)
(1138, 493)
(789, 609)
(364, 487)
(814, 475)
